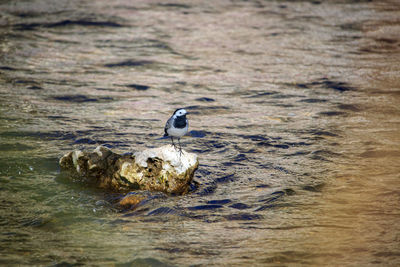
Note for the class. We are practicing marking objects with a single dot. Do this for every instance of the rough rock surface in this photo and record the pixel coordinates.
(157, 169)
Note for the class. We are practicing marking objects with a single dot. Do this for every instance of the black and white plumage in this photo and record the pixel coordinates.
(177, 126)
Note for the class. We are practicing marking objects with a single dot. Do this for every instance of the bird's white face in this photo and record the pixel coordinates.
(180, 112)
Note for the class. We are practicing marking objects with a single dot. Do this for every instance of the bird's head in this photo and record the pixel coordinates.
(180, 112)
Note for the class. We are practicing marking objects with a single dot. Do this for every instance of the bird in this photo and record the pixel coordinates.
(177, 126)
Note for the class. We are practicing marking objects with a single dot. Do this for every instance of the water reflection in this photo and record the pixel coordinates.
(294, 115)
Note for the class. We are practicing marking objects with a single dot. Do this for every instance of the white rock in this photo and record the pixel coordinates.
(170, 157)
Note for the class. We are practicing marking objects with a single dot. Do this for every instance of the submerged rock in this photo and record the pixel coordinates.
(157, 169)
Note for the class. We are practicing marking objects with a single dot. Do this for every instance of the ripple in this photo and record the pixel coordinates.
(130, 63)
(205, 207)
(240, 206)
(81, 98)
(66, 23)
(219, 201)
(138, 87)
(225, 179)
(328, 84)
(314, 188)
(243, 217)
(332, 113)
(198, 134)
(162, 211)
(205, 99)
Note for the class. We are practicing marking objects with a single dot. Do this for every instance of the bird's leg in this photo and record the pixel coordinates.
(180, 147)
(172, 139)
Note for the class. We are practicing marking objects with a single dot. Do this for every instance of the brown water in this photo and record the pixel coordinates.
(294, 113)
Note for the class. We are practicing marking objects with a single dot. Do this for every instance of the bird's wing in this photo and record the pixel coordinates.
(168, 125)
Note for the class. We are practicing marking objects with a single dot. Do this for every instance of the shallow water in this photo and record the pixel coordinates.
(294, 113)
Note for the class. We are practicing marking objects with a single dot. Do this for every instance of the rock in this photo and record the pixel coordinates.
(130, 201)
(157, 169)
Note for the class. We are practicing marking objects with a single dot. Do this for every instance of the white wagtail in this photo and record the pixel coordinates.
(177, 126)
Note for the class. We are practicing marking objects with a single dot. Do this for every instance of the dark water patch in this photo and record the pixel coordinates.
(297, 144)
(326, 83)
(302, 85)
(349, 107)
(113, 143)
(244, 52)
(217, 144)
(138, 87)
(240, 157)
(314, 188)
(208, 189)
(263, 186)
(205, 99)
(85, 141)
(158, 46)
(260, 94)
(255, 137)
(332, 113)
(198, 134)
(273, 167)
(219, 202)
(357, 26)
(56, 117)
(193, 186)
(138, 212)
(66, 264)
(273, 197)
(298, 153)
(289, 191)
(245, 150)
(387, 40)
(205, 207)
(266, 143)
(232, 163)
(243, 217)
(130, 63)
(33, 84)
(174, 5)
(203, 171)
(283, 96)
(318, 132)
(337, 86)
(67, 23)
(240, 206)
(226, 178)
(324, 155)
(313, 100)
(200, 150)
(266, 207)
(7, 68)
(15, 147)
(282, 105)
(173, 249)
(81, 98)
(162, 211)
(34, 87)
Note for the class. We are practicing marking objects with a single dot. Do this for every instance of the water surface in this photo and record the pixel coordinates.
(294, 113)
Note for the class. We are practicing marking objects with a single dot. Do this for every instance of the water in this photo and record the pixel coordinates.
(294, 112)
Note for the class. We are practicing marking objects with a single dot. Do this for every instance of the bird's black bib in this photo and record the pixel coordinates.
(180, 122)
